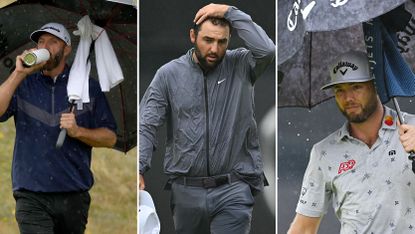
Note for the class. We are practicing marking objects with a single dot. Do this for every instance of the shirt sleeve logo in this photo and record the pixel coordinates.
(303, 191)
(345, 166)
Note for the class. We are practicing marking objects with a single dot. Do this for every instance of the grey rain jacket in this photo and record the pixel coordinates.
(211, 128)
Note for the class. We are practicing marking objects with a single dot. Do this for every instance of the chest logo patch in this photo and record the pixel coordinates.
(219, 82)
(388, 120)
(345, 166)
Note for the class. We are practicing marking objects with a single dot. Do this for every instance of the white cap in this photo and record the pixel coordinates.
(349, 67)
(55, 29)
(147, 216)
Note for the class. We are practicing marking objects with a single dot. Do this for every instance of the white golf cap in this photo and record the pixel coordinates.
(149, 222)
(350, 67)
(55, 29)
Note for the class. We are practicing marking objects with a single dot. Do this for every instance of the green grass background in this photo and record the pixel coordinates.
(113, 196)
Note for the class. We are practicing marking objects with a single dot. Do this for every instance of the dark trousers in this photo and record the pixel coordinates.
(52, 213)
(226, 209)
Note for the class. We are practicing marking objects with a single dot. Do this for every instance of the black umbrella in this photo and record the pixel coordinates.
(19, 19)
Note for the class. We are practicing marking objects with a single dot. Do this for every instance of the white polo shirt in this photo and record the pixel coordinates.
(372, 190)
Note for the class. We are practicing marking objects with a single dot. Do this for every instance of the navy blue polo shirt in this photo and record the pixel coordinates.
(37, 106)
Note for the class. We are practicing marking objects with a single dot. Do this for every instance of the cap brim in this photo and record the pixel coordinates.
(361, 80)
(36, 34)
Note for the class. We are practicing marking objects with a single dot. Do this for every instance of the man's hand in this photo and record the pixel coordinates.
(141, 182)
(211, 10)
(95, 137)
(407, 137)
(68, 121)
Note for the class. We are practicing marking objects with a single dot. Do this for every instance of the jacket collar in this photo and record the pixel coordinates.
(61, 79)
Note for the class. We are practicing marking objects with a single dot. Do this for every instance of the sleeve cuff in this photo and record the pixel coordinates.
(229, 12)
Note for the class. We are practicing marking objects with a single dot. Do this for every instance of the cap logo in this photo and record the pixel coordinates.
(49, 27)
(342, 64)
(343, 72)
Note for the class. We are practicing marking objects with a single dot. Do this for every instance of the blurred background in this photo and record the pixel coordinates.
(164, 36)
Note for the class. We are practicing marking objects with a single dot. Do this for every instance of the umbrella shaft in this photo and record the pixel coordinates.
(398, 110)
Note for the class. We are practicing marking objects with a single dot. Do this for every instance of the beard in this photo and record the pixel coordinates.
(54, 61)
(367, 111)
(203, 62)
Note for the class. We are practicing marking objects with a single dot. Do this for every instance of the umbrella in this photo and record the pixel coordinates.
(291, 30)
(302, 74)
(343, 13)
(120, 22)
(296, 17)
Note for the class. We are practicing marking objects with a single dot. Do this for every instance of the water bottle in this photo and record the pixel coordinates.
(36, 57)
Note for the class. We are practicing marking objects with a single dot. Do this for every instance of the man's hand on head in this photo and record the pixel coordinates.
(211, 10)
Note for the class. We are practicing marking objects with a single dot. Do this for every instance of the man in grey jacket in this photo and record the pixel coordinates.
(206, 97)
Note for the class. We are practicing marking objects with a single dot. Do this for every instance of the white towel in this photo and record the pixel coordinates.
(109, 70)
(108, 67)
(78, 85)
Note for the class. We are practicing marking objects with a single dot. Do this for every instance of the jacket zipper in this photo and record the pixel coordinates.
(207, 126)
(53, 100)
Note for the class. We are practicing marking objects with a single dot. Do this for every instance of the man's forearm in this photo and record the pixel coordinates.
(254, 37)
(146, 149)
(99, 137)
(8, 88)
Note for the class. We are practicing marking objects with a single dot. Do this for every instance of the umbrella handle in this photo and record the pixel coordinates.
(62, 134)
(398, 111)
(61, 138)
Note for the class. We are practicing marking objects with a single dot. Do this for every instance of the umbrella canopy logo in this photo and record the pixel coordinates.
(337, 3)
(292, 20)
(404, 37)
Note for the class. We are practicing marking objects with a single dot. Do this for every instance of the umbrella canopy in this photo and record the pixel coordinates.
(120, 22)
(302, 75)
(338, 14)
(291, 30)
(296, 17)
